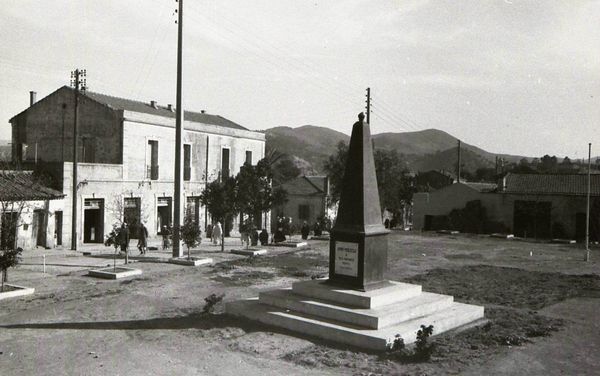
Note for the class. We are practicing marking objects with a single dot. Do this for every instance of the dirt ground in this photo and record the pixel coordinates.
(541, 303)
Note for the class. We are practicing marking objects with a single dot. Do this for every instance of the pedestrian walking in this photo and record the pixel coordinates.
(124, 237)
(217, 231)
(142, 239)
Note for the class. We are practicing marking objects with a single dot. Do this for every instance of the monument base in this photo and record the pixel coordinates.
(369, 320)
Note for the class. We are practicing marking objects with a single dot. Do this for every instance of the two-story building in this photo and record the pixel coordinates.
(126, 153)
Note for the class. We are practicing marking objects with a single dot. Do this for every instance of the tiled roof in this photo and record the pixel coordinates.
(302, 186)
(318, 181)
(552, 184)
(143, 107)
(23, 186)
(481, 187)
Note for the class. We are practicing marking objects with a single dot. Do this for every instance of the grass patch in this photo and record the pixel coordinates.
(482, 284)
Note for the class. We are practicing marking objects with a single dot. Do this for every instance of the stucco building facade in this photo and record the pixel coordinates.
(526, 205)
(126, 152)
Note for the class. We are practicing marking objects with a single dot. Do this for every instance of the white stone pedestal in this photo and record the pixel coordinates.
(369, 320)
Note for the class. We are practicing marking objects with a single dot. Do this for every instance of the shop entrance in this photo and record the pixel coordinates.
(93, 220)
(163, 214)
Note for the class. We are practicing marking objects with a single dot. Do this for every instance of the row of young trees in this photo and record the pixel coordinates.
(250, 193)
(543, 165)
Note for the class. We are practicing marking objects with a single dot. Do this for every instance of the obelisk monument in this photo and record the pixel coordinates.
(358, 245)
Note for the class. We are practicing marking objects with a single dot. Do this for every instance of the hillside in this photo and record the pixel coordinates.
(430, 149)
(307, 143)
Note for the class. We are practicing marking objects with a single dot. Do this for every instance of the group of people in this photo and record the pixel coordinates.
(213, 232)
(124, 236)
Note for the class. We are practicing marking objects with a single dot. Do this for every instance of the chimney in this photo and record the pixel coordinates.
(32, 97)
(153, 104)
(170, 107)
(502, 184)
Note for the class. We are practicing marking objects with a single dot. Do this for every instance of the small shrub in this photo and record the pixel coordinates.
(211, 301)
(422, 350)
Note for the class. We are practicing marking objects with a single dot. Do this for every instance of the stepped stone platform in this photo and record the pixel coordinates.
(369, 320)
(252, 251)
(290, 243)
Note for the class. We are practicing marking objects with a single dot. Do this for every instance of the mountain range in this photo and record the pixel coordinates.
(430, 149)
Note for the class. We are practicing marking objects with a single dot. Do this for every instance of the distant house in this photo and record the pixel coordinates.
(308, 198)
(25, 207)
(527, 205)
(433, 179)
(126, 151)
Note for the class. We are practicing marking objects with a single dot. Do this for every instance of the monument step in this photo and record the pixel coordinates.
(456, 315)
(423, 304)
(395, 292)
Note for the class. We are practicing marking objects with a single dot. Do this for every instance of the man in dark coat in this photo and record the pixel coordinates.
(143, 239)
(305, 230)
(124, 237)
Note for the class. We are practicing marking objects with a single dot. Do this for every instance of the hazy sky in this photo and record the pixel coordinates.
(519, 77)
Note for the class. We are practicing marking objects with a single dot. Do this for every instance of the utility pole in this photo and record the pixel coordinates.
(458, 164)
(368, 105)
(177, 252)
(78, 82)
(587, 211)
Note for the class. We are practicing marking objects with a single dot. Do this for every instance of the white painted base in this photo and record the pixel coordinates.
(109, 273)
(502, 236)
(563, 241)
(19, 291)
(291, 244)
(191, 262)
(369, 320)
(249, 251)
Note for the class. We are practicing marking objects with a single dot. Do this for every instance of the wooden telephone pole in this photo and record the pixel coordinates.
(78, 81)
(368, 105)
(177, 251)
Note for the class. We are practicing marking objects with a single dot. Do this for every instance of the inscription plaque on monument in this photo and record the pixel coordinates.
(346, 258)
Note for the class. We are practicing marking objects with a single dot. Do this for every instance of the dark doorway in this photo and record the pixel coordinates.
(428, 223)
(133, 215)
(93, 221)
(580, 227)
(40, 229)
(163, 214)
(532, 219)
(193, 208)
(58, 220)
(8, 230)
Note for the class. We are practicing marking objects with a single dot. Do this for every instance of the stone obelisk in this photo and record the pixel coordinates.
(358, 245)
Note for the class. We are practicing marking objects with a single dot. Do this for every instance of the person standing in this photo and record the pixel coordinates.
(124, 238)
(216, 233)
(143, 239)
(305, 230)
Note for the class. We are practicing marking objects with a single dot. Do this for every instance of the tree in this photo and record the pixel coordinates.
(548, 164)
(220, 200)
(255, 194)
(391, 171)
(395, 185)
(335, 166)
(190, 232)
(281, 165)
(8, 259)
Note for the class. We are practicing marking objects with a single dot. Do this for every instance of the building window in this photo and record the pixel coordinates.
(224, 163)
(187, 162)
(303, 212)
(249, 157)
(152, 162)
